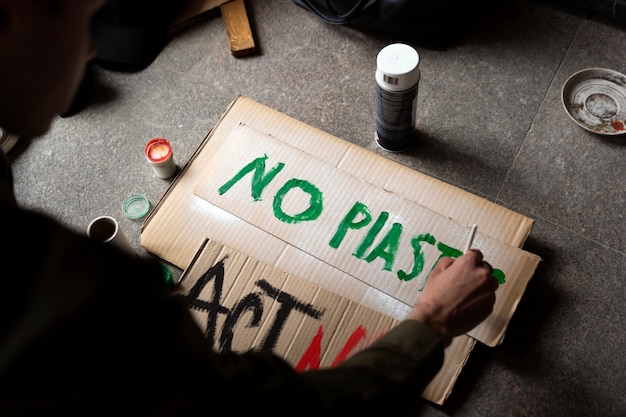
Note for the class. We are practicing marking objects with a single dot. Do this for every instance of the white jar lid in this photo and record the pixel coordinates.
(397, 67)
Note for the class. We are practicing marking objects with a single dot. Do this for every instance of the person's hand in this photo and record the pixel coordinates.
(459, 294)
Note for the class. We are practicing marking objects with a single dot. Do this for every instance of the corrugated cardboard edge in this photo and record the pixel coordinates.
(456, 356)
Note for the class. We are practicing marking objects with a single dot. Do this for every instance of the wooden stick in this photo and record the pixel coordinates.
(238, 28)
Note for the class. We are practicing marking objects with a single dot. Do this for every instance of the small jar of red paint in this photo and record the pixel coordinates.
(160, 156)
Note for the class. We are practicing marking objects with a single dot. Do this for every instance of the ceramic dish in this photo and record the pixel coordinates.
(595, 98)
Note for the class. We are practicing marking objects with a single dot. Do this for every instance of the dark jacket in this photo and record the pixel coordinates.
(87, 329)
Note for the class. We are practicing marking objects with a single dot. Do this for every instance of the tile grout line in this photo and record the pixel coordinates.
(575, 233)
(521, 145)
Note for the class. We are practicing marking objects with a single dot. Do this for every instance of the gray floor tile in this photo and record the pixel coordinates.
(478, 98)
(564, 173)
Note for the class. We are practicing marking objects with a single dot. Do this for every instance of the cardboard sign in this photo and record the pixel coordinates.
(334, 214)
(242, 304)
(372, 235)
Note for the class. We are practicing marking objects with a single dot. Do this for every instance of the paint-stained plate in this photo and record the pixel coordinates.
(595, 98)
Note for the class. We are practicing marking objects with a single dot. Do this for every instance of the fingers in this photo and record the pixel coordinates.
(492, 282)
(473, 259)
(475, 254)
(458, 295)
(442, 264)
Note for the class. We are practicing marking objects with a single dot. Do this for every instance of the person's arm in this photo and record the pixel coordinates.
(459, 294)
(87, 329)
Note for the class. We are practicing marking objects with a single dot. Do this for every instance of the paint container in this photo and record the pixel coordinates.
(397, 83)
(106, 229)
(136, 206)
(159, 154)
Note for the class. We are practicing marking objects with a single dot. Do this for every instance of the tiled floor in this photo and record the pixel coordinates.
(490, 120)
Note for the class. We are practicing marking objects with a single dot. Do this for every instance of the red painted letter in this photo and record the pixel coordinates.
(311, 358)
(355, 337)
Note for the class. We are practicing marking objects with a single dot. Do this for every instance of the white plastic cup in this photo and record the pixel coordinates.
(105, 229)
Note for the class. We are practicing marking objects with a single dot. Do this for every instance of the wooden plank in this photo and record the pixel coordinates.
(238, 28)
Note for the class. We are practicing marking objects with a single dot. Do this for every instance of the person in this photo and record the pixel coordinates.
(86, 329)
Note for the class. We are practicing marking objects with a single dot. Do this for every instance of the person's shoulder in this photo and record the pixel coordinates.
(32, 228)
(47, 263)
(52, 248)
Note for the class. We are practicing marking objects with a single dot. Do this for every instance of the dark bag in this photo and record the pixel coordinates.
(427, 22)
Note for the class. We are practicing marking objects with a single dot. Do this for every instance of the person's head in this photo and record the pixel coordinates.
(45, 46)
